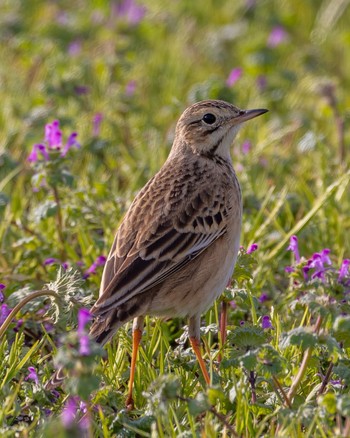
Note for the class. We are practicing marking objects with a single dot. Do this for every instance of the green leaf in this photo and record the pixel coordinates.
(328, 401)
(301, 336)
(247, 337)
(199, 404)
(341, 329)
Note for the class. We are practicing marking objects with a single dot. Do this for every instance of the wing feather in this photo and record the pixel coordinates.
(167, 225)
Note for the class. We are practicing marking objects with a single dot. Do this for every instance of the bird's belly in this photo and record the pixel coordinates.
(193, 291)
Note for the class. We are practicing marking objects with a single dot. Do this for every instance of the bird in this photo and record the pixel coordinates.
(176, 247)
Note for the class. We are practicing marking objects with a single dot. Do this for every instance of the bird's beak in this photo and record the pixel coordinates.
(245, 115)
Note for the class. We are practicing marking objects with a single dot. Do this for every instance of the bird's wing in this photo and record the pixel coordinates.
(165, 228)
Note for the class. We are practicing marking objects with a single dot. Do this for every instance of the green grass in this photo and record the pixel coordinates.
(295, 180)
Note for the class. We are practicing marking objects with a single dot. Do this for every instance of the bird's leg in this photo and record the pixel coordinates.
(194, 335)
(137, 328)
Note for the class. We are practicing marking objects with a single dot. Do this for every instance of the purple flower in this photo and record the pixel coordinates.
(18, 325)
(81, 90)
(293, 246)
(84, 317)
(317, 262)
(96, 124)
(33, 156)
(84, 345)
(50, 261)
(289, 269)
(233, 304)
(241, 323)
(263, 297)
(69, 412)
(266, 322)
(65, 265)
(32, 375)
(100, 261)
(252, 248)
(5, 310)
(74, 48)
(55, 393)
(2, 296)
(246, 146)
(53, 140)
(261, 82)
(344, 269)
(72, 141)
(130, 88)
(277, 36)
(53, 135)
(130, 11)
(233, 77)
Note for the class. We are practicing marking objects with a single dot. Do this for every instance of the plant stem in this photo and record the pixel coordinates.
(303, 367)
(283, 392)
(59, 223)
(223, 325)
(18, 307)
(252, 380)
(326, 379)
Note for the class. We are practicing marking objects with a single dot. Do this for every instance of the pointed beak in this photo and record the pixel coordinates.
(245, 115)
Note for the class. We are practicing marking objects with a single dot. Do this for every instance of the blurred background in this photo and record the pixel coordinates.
(119, 73)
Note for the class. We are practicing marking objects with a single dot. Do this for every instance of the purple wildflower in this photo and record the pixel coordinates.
(65, 265)
(246, 146)
(317, 262)
(241, 323)
(252, 248)
(50, 261)
(33, 156)
(84, 345)
(84, 317)
(266, 322)
(53, 135)
(263, 297)
(2, 296)
(74, 48)
(130, 88)
(233, 304)
(69, 412)
(233, 77)
(32, 375)
(277, 36)
(55, 393)
(53, 140)
(130, 11)
(344, 269)
(96, 124)
(81, 90)
(72, 141)
(289, 269)
(5, 310)
(100, 261)
(18, 325)
(293, 246)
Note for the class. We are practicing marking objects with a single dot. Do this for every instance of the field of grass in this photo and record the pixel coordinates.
(119, 74)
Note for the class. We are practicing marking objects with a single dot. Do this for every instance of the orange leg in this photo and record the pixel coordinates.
(195, 343)
(136, 338)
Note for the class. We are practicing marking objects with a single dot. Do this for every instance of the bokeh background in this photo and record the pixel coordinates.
(119, 74)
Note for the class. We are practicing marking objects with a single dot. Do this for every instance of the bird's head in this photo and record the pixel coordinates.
(209, 127)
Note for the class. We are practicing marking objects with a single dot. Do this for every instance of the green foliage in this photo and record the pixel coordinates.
(72, 61)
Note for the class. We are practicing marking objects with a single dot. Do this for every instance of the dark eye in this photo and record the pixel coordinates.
(209, 118)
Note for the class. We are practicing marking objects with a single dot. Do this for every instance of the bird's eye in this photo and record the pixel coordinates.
(209, 118)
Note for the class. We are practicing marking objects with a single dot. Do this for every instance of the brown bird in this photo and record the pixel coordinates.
(177, 245)
(176, 248)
